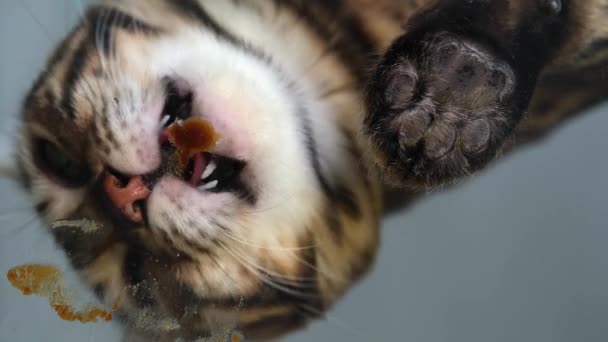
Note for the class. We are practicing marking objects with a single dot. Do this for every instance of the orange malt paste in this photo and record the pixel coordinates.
(47, 281)
(191, 137)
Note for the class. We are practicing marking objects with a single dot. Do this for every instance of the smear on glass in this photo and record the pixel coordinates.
(85, 225)
(47, 281)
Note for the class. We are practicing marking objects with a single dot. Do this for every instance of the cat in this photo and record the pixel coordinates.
(322, 109)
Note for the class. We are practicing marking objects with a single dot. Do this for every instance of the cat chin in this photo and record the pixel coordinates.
(174, 191)
(172, 198)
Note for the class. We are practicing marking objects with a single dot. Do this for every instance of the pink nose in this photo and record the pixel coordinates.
(125, 198)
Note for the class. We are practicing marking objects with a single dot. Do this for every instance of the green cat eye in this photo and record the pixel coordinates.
(60, 166)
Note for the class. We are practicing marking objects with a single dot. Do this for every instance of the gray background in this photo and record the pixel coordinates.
(520, 253)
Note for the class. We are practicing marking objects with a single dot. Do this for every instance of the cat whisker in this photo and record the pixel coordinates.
(317, 269)
(85, 87)
(277, 282)
(248, 244)
(29, 11)
(263, 210)
(279, 201)
(255, 271)
(281, 288)
(120, 20)
(12, 212)
(17, 209)
(294, 256)
(21, 227)
(289, 280)
(287, 249)
(99, 39)
(112, 19)
(214, 260)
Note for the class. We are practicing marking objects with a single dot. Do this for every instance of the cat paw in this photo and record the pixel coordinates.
(439, 111)
(448, 94)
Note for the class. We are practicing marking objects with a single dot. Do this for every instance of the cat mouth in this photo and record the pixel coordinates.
(206, 171)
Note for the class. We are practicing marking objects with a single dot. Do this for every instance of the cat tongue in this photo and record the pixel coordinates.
(199, 162)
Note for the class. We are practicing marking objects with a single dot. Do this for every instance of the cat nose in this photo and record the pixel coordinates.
(127, 194)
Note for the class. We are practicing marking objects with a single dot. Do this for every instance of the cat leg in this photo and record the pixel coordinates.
(450, 91)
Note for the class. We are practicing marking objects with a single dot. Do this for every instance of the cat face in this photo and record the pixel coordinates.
(263, 231)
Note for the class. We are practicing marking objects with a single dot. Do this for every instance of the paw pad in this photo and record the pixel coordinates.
(438, 109)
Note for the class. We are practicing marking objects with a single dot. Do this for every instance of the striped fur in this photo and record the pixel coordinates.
(284, 83)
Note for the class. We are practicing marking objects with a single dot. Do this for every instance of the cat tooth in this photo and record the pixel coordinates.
(210, 185)
(209, 170)
(165, 120)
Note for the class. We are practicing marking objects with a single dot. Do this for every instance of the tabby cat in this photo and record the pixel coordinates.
(319, 105)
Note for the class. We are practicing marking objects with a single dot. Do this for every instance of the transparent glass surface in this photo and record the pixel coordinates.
(519, 253)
